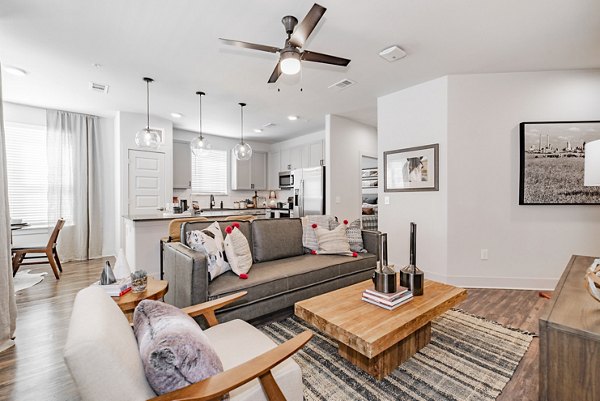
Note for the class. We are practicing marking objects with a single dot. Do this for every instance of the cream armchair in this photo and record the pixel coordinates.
(102, 355)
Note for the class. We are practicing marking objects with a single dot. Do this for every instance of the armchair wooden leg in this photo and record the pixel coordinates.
(16, 262)
(271, 388)
(53, 264)
(57, 259)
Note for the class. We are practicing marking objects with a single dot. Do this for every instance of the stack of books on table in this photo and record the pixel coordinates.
(387, 301)
(121, 287)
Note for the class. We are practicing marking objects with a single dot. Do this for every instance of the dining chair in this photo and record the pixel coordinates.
(245, 217)
(174, 234)
(48, 252)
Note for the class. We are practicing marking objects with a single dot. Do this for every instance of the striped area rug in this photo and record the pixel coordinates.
(468, 358)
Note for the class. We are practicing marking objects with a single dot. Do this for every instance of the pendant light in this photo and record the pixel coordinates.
(242, 150)
(147, 138)
(199, 144)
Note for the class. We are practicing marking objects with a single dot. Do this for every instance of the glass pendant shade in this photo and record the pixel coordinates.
(242, 151)
(148, 138)
(199, 144)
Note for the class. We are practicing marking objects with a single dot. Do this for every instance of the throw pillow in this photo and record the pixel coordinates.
(309, 238)
(333, 242)
(354, 234)
(210, 242)
(237, 251)
(175, 351)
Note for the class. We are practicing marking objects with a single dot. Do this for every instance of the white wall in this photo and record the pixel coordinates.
(219, 143)
(529, 246)
(37, 116)
(475, 119)
(413, 117)
(345, 143)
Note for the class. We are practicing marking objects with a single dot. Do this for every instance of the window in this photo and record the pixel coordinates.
(209, 172)
(27, 172)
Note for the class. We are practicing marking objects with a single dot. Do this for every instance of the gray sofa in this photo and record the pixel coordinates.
(281, 274)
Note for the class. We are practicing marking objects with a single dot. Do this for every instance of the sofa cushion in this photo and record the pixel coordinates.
(276, 239)
(333, 242)
(174, 350)
(309, 238)
(355, 239)
(237, 342)
(101, 351)
(284, 275)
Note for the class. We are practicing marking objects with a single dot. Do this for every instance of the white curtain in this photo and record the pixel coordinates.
(8, 306)
(74, 183)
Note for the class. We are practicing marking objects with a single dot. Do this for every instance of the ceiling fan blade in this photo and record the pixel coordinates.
(275, 75)
(324, 58)
(247, 45)
(307, 25)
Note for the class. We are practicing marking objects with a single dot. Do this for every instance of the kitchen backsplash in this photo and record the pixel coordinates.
(204, 200)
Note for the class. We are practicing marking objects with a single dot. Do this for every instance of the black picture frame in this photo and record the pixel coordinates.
(551, 157)
(395, 161)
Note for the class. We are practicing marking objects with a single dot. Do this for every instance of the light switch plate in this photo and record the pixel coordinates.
(338, 199)
(484, 254)
(386, 200)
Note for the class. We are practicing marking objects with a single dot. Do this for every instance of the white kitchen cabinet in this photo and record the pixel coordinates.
(316, 154)
(296, 157)
(284, 160)
(182, 165)
(273, 165)
(249, 174)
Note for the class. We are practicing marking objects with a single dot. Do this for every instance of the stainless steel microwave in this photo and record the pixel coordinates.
(286, 180)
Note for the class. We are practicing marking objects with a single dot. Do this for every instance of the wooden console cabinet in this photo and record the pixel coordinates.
(570, 339)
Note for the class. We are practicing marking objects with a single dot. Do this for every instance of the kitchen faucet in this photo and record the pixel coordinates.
(212, 201)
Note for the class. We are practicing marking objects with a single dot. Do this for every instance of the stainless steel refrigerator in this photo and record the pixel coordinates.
(309, 191)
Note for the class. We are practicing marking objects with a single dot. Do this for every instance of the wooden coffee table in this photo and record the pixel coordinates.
(372, 338)
(156, 289)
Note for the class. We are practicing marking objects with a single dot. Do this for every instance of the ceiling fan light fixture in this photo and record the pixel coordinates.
(290, 63)
(146, 137)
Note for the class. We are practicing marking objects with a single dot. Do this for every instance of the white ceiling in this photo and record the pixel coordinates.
(175, 42)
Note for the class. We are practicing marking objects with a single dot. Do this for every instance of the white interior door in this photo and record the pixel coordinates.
(146, 182)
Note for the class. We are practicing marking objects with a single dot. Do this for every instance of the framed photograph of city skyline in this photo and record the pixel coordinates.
(552, 163)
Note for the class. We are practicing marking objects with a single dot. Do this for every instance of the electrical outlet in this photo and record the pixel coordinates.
(338, 199)
(484, 254)
(386, 200)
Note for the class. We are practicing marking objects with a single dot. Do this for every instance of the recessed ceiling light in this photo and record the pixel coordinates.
(176, 115)
(15, 71)
(292, 118)
(257, 130)
(97, 65)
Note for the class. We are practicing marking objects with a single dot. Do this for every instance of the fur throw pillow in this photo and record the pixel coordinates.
(210, 242)
(175, 351)
(237, 250)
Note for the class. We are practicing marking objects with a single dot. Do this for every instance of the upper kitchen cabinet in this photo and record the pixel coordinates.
(274, 164)
(182, 165)
(316, 154)
(249, 174)
(303, 156)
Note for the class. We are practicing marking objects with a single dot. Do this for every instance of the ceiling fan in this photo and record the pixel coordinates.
(291, 55)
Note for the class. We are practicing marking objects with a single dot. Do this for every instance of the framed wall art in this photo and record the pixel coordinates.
(552, 163)
(411, 169)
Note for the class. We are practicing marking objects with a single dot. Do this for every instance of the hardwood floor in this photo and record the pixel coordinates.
(34, 368)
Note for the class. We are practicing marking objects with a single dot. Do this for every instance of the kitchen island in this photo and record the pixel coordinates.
(144, 232)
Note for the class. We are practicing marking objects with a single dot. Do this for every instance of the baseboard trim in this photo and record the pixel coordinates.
(512, 283)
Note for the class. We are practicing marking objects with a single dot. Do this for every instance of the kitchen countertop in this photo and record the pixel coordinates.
(160, 216)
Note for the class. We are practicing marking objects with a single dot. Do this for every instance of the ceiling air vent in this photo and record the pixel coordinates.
(98, 87)
(343, 84)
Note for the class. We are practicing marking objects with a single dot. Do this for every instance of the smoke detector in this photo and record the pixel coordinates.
(393, 53)
(343, 84)
(98, 87)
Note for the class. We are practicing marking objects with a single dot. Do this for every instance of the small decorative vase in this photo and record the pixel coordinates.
(139, 281)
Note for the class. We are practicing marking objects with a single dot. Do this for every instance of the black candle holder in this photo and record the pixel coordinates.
(411, 276)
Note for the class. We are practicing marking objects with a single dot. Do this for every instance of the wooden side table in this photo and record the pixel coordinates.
(156, 289)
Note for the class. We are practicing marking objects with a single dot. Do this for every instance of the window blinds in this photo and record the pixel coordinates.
(27, 171)
(209, 172)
